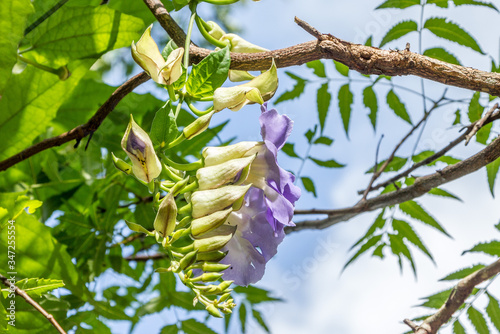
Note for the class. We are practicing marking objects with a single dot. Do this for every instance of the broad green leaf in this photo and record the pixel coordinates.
(137, 9)
(169, 329)
(370, 101)
(40, 255)
(396, 164)
(29, 103)
(289, 149)
(426, 154)
(397, 106)
(309, 185)
(296, 91)
(436, 300)
(345, 106)
(452, 32)
(260, 320)
(164, 127)
(401, 4)
(398, 247)
(324, 141)
(478, 321)
(493, 311)
(475, 3)
(406, 231)
(492, 171)
(444, 193)
(318, 68)
(415, 211)
(462, 273)
(192, 326)
(490, 248)
(399, 30)
(341, 68)
(255, 295)
(209, 74)
(13, 14)
(36, 287)
(323, 99)
(458, 328)
(81, 32)
(371, 242)
(243, 317)
(439, 3)
(328, 163)
(443, 55)
(378, 224)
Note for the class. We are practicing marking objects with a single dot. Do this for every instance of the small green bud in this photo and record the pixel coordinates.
(213, 310)
(198, 126)
(121, 165)
(214, 267)
(215, 256)
(188, 260)
(224, 297)
(206, 277)
(166, 217)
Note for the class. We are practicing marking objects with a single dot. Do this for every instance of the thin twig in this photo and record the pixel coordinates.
(33, 303)
(479, 124)
(456, 299)
(143, 258)
(80, 131)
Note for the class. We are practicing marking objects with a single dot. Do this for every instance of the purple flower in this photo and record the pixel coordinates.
(269, 203)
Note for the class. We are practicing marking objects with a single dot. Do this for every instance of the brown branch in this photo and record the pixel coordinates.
(491, 117)
(361, 58)
(143, 258)
(457, 297)
(33, 303)
(80, 131)
(421, 186)
(479, 124)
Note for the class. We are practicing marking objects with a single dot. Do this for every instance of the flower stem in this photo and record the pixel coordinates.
(62, 72)
(185, 167)
(202, 28)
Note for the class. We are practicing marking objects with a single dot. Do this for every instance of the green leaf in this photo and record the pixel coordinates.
(475, 3)
(296, 91)
(398, 4)
(260, 320)
(243, 317)
(443, 55)
(328, 163)
(492, 171)
(191, 326)
(399, 30)
(341, 68)
(309, 185)
(36, 287)
(29, 103)
(289, 149)
(426, 154)
(398, 247)
(370, 101)
(13, 14)
(378, 252)
(137, 228)
(209, 74)
(397, 106)
(458, 117)
(475, 113)
(493, 311)
(311, 133)
(406, 231)
(478, 321)
(415, 211)
(323, 99)
(255, 295)
(378, 224)
(437, 300)
(318, 68)
(462, 273)
(324, 140)
(81, 32)
(371, 242)
(170, 329)
(452, 32)
(345, 105)
(458, 328)
(490, 248)
(442, 192)
(396, 164)
(164, 127)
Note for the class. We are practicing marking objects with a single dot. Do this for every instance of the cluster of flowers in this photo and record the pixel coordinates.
(237, 200)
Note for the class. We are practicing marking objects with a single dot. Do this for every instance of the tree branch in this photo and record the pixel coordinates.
(143, 258)
(421, 186)
(457, 297)
(83, 130)
(33, 303)
(361, 58)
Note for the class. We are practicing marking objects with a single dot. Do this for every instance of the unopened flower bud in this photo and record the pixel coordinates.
(218, 154)
(229, 172)
(215, 30)
(121, 165)
(206, 202)
(213, 310)
(209, 223)
(214, 240)
(214, 267)
(136, 143)
(206, 277)
(166, 217)
(198, 126)
(188, 259)
(211, 256)
(239, 45)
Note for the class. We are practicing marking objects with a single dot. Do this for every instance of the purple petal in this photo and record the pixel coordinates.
(274, 127)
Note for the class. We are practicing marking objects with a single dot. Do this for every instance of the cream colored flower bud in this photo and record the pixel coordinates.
(166, 217)
(258, 90)
(136, 143)
(240, 45)
(148, 56)
(218, 154)
(209, 223)
(225, 173)
(215, 30)
(215, 240)
(206, 202)
(198, 126)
